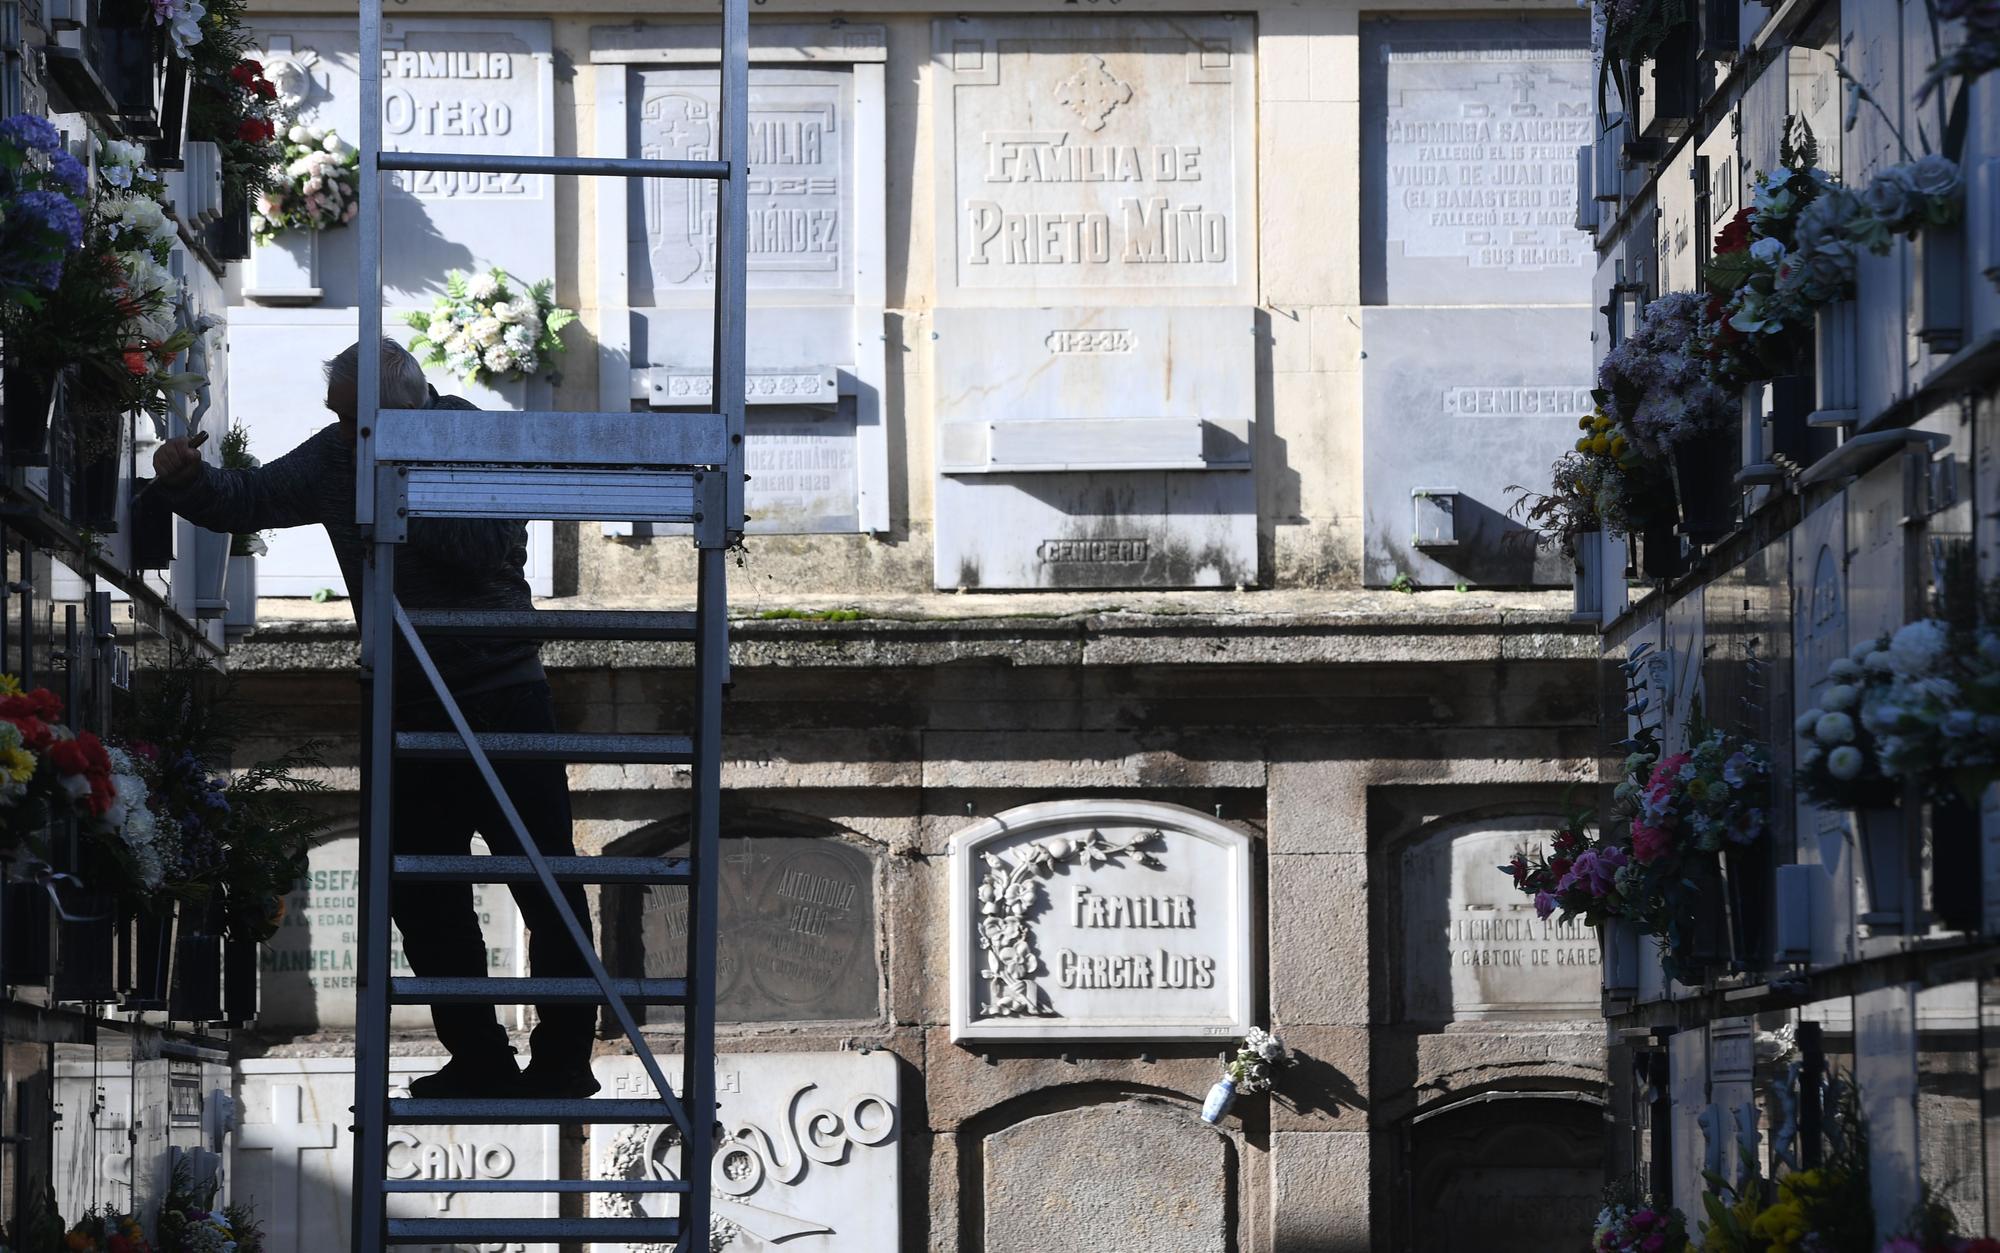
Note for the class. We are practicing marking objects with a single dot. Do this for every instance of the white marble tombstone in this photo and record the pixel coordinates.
(292, 1155)
(809, 1160)
(1679, 250)
(309, 970)
(93, 1150)
(815, 445)
(1473, 948)
(1885, 1077)
(1469, 189)
(449, 85)
(1100, 920)
(1094, 376)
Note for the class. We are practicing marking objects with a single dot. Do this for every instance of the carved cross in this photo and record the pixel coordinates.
(287, 1137)
(1093, 92)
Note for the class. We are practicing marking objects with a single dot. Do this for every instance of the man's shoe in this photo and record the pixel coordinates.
(465, 1078)
(552, 1082)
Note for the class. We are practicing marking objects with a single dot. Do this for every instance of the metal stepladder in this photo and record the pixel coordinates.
(684, 468)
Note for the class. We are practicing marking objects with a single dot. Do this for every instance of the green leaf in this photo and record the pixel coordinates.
(454, 285)
(558, 318)
(419, 321)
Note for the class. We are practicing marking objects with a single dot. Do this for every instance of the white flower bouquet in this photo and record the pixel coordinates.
(1253, 1067)
(484, 325)
(317, 187)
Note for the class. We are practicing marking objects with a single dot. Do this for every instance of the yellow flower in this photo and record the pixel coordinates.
(1583, 445)
(1601, 424)
(9, 685)
(1586, 423)
(1618, 445)
(17, 765)
(1600, 444)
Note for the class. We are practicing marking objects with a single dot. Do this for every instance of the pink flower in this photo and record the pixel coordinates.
(1650, 843)
(1653, 1243)
(1642, 1219)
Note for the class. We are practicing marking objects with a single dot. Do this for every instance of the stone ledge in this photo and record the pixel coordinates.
(1040, 630)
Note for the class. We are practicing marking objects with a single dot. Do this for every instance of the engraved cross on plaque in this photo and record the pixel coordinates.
(1093, 92)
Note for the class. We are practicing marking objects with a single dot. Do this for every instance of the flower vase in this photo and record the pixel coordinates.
(1957, 881)
(228, 237)
(151, 950)
(1660, 554)
(1836, 384)
(1220, 1097)
(211, 573)
(1705, 483)
(284, 270)
(1939, 298)
(196, 992)
(1789, 436)
(25, 927)
(85, 963)
(240, 619)
(1618, 946)
(1885, 871)
(27, 401)
(239, 980)
(1588, 582)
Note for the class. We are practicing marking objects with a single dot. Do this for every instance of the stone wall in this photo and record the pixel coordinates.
(1355, 748)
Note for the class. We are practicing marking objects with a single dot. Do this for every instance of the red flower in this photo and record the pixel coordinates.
(69, 757)
(119, 1244)
(135, 361)
(264, 88)
(40, 703)
(35, 734)
(242, 74)
(1558, 867)
(255, 130)
(255, 67)
(1734, 235)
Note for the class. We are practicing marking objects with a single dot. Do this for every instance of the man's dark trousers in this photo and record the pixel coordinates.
(438, 807)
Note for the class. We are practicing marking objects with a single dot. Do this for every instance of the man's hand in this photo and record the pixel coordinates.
(176, 463)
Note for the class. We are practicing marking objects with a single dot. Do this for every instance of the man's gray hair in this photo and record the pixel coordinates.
(403, 382)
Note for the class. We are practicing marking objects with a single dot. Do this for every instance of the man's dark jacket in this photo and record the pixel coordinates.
(447, 563)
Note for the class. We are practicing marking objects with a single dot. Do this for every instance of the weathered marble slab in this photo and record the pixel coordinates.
(810, 1156)
(1100, 919)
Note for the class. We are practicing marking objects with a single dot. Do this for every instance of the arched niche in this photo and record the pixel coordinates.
(800, 928)
(1469, 946)
(1100, 919)
(1503, 1171)
(1123, 1171)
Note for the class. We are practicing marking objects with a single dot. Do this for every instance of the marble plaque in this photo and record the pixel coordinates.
(1100, 920)
(799, 935)
(801, 229)
(310, 970)
(809, 1159)
(1468, 402)
(1469, 132)
(802, 470)
(1680, 253)
(1879, 537)
(1095, 155)
(1474, 948)
(93, 1130)
(482, 85)
(292, 1156)
(1048, 1181)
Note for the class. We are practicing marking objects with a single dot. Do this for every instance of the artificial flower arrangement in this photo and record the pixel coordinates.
(236, 455)
(236, 108)
(1658, 385)
(50, 774)
(1633, 31)
(1822, 1210)
(1604, 484)
(107, 1231)
(41, 215)
(1253, 1069)
(1633, 1227)
(1673, 818)
(191, 1222)
(484, 326)
(1922, 704)
(317, 187)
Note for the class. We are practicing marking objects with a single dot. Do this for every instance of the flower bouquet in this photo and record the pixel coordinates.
(236, 108)
(107, 1231)
(1839, 762)
(1605, 484)
(1904, 199)
(483, 325)
(1633, 1228)
(41, 221)
(1928, 709)
(1578, 875)
(1251, 1070)
(316, 189)
(49, 773)
(191, 1222)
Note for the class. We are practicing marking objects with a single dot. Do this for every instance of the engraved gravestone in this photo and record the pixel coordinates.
(309, 970)
(1108, 156)
(808, 1160)
(1104, 920)
(448, 85)
(1469, 132)
(798, 931)
(1497, 960)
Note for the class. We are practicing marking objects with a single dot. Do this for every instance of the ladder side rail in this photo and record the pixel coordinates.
(578, 933)
(371, 1054)
(732, 257)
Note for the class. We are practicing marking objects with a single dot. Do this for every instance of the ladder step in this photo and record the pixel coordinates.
(534, 1186)
(506, 1111)
(567, 495)
(495, 163)
(482, 437)
(556, 746)
(497, 1232)
(462, 869)
(479, 990)
(555, 624)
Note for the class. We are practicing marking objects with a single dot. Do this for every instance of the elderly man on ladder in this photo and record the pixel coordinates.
(448, 563)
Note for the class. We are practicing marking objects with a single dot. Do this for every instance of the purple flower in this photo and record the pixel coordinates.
(1594, 869)
(1545, 904)
(29, 131)
(68, 170)
(55, 212)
